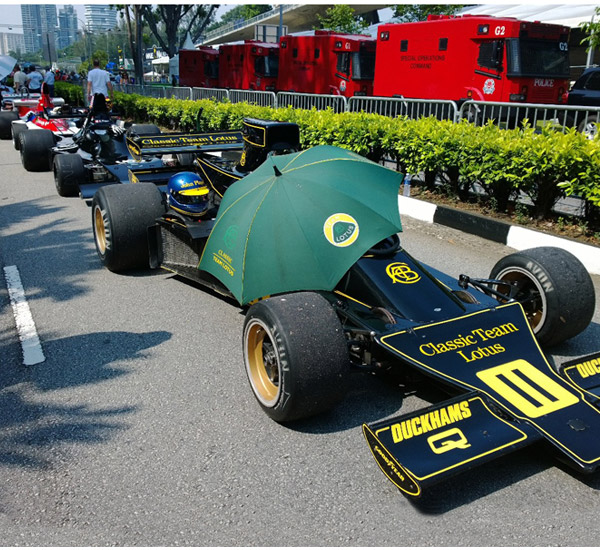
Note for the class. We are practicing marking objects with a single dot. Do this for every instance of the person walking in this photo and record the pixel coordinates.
(49, 79)
(99, 82)
(34, 81)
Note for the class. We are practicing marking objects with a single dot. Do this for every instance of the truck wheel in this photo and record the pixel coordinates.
(17, 128)
(588, 126)
(554, 288)
(6, 118)
(35, 148)
(69, 172)
(121, 215)
(144, 129)
(295, 355)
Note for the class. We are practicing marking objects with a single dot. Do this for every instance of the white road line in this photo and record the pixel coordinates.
(30, 342)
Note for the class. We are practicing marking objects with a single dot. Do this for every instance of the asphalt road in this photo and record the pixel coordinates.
(140, 428)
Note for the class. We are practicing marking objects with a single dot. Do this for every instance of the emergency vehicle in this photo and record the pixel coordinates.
(473, 57)
(326, 62)
(249, 65)
(199, 67)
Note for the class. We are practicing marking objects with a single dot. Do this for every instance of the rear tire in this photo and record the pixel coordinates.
(6, 118)
(121, 215)
(17, 128)
(69, 173)
(555, 289)
(588, 126)
(36, 150)
(296, 355)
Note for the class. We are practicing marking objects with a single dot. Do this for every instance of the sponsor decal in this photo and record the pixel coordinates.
(475, 337)
(341, 230)
(343, 85)
(588, 368)
(400, 272)
(190, 140)
(224, 260)
(448, 441)
(489, 86)
(429, 421)
(231, 236)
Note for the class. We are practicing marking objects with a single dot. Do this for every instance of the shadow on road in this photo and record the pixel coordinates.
(31, 427)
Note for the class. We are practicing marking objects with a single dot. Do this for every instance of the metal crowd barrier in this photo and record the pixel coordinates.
(400, 106)
(337, 103)
(513, 115)
(264, 99)
(505, 115)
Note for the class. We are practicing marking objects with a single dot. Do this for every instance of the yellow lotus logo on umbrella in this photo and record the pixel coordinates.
(341, 229)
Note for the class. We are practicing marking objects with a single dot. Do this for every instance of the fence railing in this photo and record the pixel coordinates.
(506, 115)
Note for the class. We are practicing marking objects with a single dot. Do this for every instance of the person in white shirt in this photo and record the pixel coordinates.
(34, 81)
(19, 78)
(99, 82)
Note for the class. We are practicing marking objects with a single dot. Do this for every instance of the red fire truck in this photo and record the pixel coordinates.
(473, 57)
(249, 65)
(199, 67)
(326, 62)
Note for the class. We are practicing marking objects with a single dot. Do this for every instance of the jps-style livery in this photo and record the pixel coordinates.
(308, 243)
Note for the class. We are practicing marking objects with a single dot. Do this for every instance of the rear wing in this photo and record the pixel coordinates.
(164, 144)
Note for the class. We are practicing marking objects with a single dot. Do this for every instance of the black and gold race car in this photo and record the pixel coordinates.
(308, 244)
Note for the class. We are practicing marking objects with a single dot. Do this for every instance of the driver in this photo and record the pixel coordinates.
(189, 195)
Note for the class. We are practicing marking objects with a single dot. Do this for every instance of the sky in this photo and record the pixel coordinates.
(11, 13)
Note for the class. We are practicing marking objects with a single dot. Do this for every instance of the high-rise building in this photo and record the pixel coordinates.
(11, 42)
(100, 18)
(67, 26)
(39, 26)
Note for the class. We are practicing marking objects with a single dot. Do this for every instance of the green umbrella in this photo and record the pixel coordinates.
(299, 222)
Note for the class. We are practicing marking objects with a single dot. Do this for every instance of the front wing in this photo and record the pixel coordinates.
(511, 397)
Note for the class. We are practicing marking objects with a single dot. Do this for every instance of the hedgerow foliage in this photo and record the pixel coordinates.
(543, 164)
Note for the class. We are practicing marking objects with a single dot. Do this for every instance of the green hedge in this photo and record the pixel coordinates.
(545, 165)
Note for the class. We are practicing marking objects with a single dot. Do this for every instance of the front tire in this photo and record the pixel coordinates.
(69, 173)
(121, 215)
(36, 150)
(588, 126)
(555, 289)
(296, 355)
(17, 129)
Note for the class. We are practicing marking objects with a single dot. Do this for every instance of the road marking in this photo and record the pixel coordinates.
(30, 342)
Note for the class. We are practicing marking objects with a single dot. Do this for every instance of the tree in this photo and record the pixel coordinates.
(419, 12)
(175, 22)
(133, 20)
(592, 30)
(341, 18)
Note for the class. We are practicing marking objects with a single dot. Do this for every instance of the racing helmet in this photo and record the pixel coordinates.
(187, 193)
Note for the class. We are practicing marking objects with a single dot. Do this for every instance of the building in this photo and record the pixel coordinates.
(11, 42)
(39, 26)
(100, 18)
(67, 27)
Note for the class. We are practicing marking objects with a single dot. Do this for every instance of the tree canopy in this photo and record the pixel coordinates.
(342, 18)
(419, 12)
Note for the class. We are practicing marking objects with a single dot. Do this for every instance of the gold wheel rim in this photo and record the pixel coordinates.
(536, 313)
(262, 363)
(100, 229)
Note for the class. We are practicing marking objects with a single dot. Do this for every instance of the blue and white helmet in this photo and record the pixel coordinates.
(188, 194)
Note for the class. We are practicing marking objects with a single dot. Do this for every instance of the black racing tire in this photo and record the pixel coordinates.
(36, 150)
(16, 130)
(69, 173)
(121, 215)
(555, 289)
(296, 356)
(144, 129)
(6, 118)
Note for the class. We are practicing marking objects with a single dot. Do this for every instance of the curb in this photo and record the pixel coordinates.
(515, 236)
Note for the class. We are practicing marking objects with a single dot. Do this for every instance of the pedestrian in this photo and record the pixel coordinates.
(99, 82)
(49, 79)
(19, 78)
(34, 81)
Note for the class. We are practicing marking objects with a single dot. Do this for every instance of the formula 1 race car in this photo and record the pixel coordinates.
(308, 242)
(144, 154)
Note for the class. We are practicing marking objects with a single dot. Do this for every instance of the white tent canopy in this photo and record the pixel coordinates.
(570, 15)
